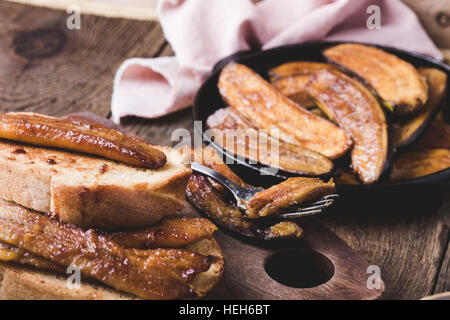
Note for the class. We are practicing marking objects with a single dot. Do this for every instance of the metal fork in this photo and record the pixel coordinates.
(243, 195)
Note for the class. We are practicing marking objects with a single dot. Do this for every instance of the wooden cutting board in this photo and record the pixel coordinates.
(320, 256)
(321, 266)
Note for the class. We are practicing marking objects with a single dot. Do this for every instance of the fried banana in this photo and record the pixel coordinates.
(357, 111)
(405, 131)
(94, 139)
(149, 274)
(268, 109)
(11, 253)
(282, 230)
(396, 81)
(291, 192)
(437, 135)
(414, 164)
(291, 79)
(294, 87)
(294, 68)
(211, 198)
(168, 233)
(254, 144)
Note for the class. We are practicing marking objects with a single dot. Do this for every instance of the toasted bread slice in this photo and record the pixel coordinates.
(18, 282)
(89, 191)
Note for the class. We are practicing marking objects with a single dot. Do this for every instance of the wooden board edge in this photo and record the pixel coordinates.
(101, 8)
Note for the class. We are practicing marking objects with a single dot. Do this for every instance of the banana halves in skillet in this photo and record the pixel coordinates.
(397, 82)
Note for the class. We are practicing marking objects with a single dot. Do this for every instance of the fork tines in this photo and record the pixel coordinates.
(313, 207)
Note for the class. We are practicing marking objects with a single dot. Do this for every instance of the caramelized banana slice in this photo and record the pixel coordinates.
(346, 176)
(216, 202)
(168, 233)
(405, 131)
(294, 87)
(291, 79)
(283, 229)
(437, 135)
(356, 110)
(267, 108)
(397, 82)
(41, 130)
(298, 67)
(148, 274)
(418, 163)
(209, 157)
(202, 194)
(291, 192)
(254, 144)
(11, 253)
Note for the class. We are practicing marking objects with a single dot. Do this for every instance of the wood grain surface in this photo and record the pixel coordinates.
(406, 237)
(435, 18)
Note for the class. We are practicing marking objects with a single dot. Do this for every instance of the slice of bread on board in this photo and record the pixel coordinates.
(90, 191)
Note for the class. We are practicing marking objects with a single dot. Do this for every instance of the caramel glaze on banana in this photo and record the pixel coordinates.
(168, 233)
(291, 79)
(416, 163)
(213, 199)
(148, 274)
(352, 106)
(80, 136)
(397, 82)
(250, 140)
(289, 193)
(265, 106)
(405, 131)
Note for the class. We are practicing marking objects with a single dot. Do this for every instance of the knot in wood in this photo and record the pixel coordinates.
(443, 19)
(39, 43)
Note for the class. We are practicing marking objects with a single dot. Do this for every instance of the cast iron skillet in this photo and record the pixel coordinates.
(208, 100)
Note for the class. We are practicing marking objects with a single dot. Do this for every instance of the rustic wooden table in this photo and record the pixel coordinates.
(46, 68)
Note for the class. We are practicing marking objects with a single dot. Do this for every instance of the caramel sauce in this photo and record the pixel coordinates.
(103, 168)
(19, 151)
(78, 136)
(220, 206)
(267, 108)
(396, 81)
(149, 274)
(290, 157)
(357, 111)
(291, 192)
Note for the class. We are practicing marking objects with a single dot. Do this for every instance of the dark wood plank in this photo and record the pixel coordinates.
(443, 281)
(443, 277)
(405, 235)
(45, 67)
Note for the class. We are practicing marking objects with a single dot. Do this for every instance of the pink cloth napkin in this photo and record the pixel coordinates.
(201, 32)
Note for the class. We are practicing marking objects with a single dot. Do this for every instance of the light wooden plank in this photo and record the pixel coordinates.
(135, 9)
